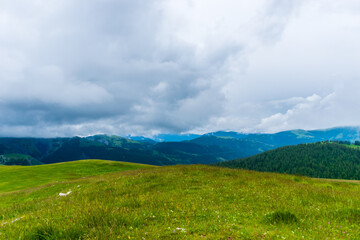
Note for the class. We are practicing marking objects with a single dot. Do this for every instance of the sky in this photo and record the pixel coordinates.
(144, 67)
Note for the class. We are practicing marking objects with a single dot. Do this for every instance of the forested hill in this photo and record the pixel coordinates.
(322, 159)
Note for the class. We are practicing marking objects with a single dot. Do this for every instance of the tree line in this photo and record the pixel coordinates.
(323, 159)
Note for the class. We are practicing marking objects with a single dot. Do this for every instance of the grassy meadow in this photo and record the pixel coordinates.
(14, 178)
(184, 202)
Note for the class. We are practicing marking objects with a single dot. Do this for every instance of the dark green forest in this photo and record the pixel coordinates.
(204, 150)
(322, 160)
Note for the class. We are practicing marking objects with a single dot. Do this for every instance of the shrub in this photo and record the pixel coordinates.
(43, 233)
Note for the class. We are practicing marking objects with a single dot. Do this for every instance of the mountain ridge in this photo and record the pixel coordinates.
(207, 148)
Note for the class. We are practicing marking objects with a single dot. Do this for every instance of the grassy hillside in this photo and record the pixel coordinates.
(324, 160)
(21, 177)
(184, 202)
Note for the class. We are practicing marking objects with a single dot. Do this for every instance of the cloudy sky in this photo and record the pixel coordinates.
(144, 67)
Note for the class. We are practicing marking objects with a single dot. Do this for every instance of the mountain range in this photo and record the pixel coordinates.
(208, 148)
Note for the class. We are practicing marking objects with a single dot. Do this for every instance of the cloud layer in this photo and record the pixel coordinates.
(144, 67)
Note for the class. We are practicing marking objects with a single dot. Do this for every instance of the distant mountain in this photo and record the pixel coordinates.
(295, 137)
(34, 147)
(88, 148)
(323, 160)
(188, 152)
(174, 137)
(241, 145)
(112, 148)
(228, 134)
(116, 141)
(208, 148)
(233, 147)
(142, 139)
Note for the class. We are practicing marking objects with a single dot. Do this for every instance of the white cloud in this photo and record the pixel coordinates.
(304, 111)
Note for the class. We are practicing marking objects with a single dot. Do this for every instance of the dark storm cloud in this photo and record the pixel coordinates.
(78, 62)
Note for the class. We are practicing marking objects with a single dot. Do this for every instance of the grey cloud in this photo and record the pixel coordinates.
(144, 67)
(87, 61)
(275, 17)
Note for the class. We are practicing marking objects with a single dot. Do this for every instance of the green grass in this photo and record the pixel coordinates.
(14, 178)
(184, 202)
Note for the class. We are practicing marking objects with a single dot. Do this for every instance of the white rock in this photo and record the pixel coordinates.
(64, 194)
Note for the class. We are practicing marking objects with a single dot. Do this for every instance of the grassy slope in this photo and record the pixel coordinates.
(184, 202)
(14, 178)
